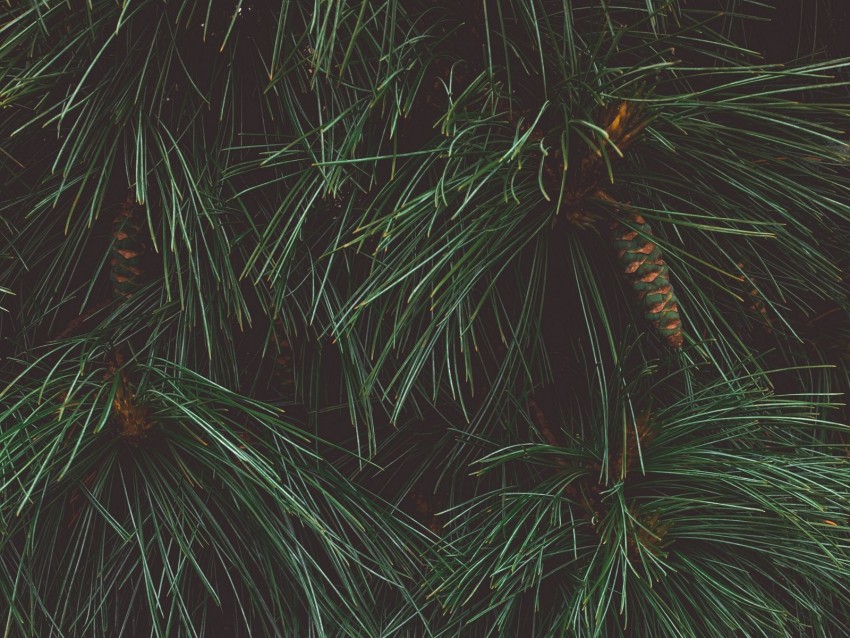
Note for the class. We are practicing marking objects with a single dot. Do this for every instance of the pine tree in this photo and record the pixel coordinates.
(416, 318)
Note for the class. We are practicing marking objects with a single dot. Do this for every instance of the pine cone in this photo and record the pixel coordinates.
(128, 249)
(644, 265)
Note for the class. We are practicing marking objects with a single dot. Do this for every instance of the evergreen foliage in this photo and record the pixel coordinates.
(426, 318)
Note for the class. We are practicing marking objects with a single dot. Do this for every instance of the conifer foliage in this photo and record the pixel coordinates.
(424, 318)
